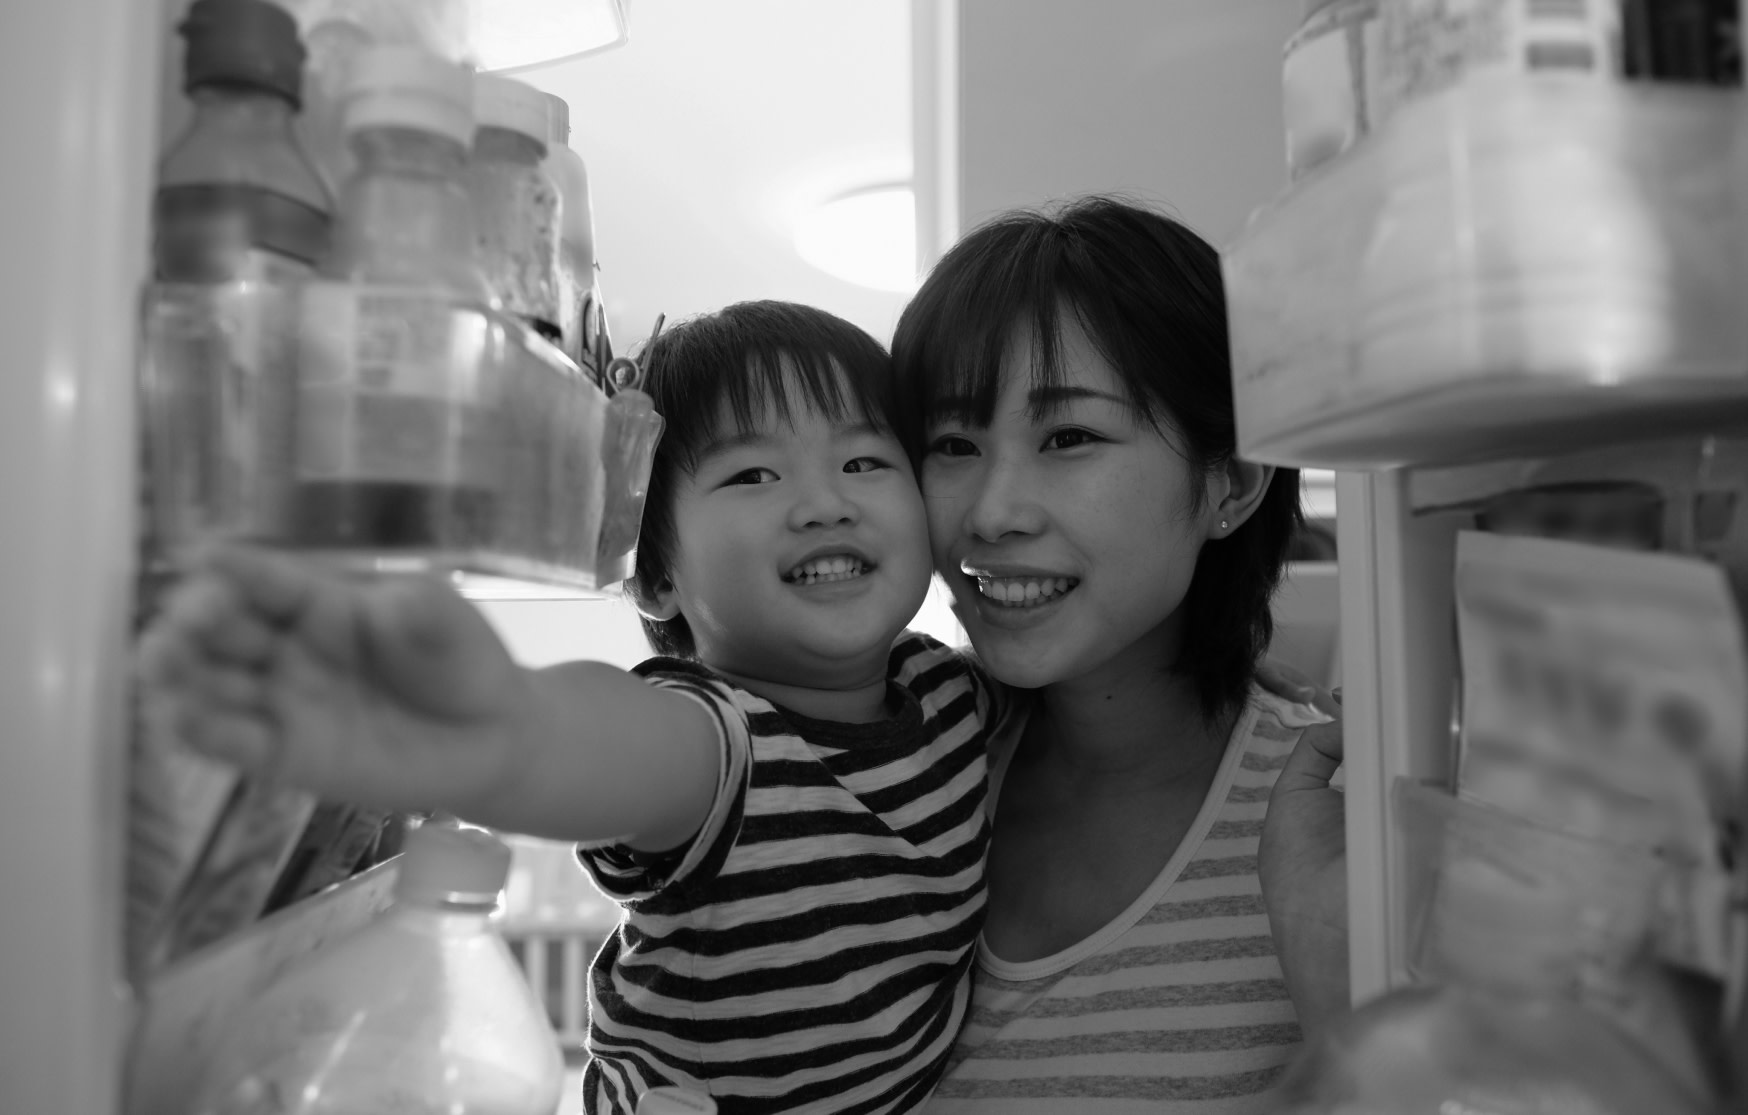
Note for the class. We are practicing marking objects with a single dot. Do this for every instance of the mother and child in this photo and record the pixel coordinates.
(861, 871)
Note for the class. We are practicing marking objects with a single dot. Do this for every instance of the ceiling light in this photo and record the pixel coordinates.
(521, 34)
(866, 237)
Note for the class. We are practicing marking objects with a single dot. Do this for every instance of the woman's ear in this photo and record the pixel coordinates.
(1237, 487)
(657, 603)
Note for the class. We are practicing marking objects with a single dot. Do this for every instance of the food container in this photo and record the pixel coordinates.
(380, 428)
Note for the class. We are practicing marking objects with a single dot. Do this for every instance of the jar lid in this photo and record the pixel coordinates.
(515, 106)
(243, 42)
(404, 86)
(558, 116)
(455, 865)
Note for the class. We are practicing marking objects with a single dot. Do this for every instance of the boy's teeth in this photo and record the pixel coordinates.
(1024, 592)
(827, 569)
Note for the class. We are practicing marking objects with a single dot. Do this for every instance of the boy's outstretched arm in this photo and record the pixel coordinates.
(396, 692)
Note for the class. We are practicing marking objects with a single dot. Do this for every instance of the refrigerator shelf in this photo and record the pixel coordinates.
(384, 430)
(1513, 266)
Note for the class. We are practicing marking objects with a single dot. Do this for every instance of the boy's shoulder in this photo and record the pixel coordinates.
(917, 652)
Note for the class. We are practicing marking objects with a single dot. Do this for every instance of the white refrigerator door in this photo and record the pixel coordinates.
(77, 105)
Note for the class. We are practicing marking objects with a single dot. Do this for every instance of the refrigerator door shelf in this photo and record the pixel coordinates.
(377, 428)
(1512, 266)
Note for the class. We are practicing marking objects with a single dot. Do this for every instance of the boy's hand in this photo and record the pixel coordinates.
(392, 692)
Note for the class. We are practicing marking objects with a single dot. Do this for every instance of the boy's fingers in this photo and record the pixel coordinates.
(280, 586)
(230, 689)
(243, 741)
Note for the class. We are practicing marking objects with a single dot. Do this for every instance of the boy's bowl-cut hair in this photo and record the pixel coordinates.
(729, 367)
(1148, 293)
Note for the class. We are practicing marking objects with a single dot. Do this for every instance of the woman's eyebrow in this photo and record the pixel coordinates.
(1055, 397)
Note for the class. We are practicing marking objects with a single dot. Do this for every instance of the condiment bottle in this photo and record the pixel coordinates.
(237, 197)
(397, 447)
(576, 234)
(515, 201)
(422, 1011)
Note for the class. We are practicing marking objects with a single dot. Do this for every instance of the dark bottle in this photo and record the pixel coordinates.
(237, 197)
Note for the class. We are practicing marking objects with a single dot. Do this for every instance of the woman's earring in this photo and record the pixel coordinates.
(1222, 524)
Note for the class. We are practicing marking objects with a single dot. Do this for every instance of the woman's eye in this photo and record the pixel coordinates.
(1069, 439)
(952, 445)
(751, 476)
(865, 464)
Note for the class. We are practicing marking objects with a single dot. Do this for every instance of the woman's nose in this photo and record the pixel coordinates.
(1003, 501)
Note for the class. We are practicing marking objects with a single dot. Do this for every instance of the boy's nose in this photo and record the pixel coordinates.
(822, 503)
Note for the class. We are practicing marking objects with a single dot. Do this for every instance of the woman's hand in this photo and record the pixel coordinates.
(1303, 867)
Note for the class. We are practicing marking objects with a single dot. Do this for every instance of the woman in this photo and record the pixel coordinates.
(1107, 550)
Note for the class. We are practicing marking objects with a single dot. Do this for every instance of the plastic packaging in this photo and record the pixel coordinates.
(237, 197)
(576, 238)
(1603, 696)
(515, 201)
(1427, 46)
(1325, 81)
(1538, 996)
(422, 1012)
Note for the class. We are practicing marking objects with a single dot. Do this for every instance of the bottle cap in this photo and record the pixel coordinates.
(515, 106)
(558, 117)
(443, 864)
(243, 42)
(406, 87)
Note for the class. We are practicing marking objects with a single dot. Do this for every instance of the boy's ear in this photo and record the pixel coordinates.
(658, 603)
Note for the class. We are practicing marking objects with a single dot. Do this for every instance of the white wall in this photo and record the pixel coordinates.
(1174, 101)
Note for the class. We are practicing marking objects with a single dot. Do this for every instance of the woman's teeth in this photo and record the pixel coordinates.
(1024, 592)
(820, 570)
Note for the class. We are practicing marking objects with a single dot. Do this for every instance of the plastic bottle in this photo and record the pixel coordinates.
(576, 234)
(515, 200)
(422, 1012)
(237, 197)
(396, 444)
(405, 217)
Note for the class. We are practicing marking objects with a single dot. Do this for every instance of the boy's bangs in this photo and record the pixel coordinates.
(840, 387)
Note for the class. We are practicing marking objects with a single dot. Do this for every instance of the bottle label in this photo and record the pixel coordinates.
(224, 232)
(1427, 46)
(396, 386)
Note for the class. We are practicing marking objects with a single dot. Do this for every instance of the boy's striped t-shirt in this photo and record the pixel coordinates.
(1178, 1005)
(810, 949)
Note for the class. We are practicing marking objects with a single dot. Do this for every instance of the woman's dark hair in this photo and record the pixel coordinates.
(735, 366)
(1147, 292)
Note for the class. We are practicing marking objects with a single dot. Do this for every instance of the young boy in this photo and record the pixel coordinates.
(790, 809)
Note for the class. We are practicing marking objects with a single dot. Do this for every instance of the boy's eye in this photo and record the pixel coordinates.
(952, 445)
(865, 464)
(1069, 438)
(751, 476)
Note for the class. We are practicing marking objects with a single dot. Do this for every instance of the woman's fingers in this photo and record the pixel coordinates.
(1314, 759)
